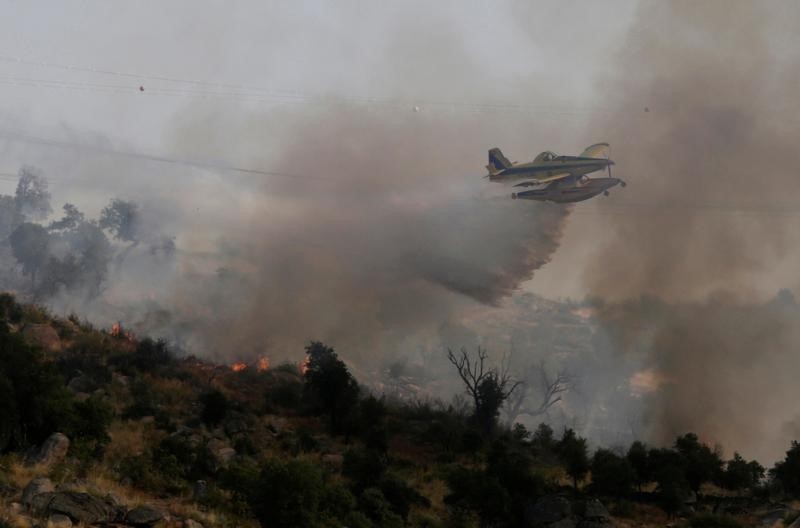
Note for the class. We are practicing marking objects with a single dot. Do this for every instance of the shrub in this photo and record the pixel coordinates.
(287, 494)
(215, 407)
(330, 388)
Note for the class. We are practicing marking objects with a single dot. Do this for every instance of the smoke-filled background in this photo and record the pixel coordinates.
(366, 223)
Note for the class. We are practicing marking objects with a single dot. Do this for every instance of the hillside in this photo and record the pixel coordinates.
(101, 427)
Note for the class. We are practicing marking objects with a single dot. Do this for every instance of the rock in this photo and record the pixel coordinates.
(42, 335)
(52, 451)
(235, 425)
(548, 510)
(36, 487)
(144, 516)
(58, 520)
(774, 517)
(82, 383)
(15, 508)
(595, 511)
(333, 460)
(199, 490)
(79, 507)
(191, 523)
(586, 523)
(221, 453)
(689, 497)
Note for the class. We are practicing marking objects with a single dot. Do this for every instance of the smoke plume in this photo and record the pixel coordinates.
(703, 107)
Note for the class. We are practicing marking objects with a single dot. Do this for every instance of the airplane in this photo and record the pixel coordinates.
(565, 176)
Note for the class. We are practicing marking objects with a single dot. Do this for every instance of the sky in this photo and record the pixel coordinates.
(546, 57)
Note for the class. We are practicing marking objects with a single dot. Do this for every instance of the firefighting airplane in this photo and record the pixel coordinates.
(565, 176)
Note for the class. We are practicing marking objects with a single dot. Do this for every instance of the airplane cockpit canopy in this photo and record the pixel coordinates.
(547, 155)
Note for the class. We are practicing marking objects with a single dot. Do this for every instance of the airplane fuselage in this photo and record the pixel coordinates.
(575, 165)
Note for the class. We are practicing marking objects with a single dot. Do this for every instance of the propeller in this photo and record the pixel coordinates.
(608, 167)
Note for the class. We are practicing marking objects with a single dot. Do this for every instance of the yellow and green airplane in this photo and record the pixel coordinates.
(565, 177)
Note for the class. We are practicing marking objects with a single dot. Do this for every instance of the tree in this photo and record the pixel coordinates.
(32, 197)
(668, 469)
(72, 218)
(488, 387)
(329, 384)
(123, 219)
(549, 389)
(702, 463)
(787, 471)
(573, 453)
(637, 458)
(612, 475)
(30, 244)
(740, 474)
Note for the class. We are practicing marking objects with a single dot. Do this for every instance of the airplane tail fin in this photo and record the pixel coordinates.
(497, 160)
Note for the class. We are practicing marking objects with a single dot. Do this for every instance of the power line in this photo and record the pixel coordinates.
(245, 91)
(25, 138)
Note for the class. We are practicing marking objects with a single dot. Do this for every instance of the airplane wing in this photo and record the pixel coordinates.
(598, 150)
(546, 179)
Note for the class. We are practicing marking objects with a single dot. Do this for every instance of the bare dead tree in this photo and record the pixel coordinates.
(488, 387)
(551, 387)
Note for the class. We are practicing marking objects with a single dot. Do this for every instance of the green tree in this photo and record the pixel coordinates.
(329, 385)
(637, 458)
(30, 244)
(574, 455)
(740, 474)
(702, 463)
(787, 471)
(612, 475)
(32, 198)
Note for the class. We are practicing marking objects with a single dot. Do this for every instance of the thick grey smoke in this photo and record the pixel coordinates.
(378, 237)
(703, 110)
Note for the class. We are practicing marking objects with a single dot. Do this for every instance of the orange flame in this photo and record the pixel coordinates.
(304, 365)
(238, 366)
(262, 364)
(119, 332)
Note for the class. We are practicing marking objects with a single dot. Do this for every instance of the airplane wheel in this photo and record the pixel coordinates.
(606, 193)
(513, 196)
(623, 184)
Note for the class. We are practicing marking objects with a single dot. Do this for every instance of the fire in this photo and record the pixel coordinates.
(262, 364)
(119, 332)
(238, 366)
(304, 365)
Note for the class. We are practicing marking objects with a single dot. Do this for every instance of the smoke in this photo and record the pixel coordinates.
(702, 110)
(379, 237)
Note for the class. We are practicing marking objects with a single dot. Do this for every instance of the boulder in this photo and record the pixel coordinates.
(144, 516)
(42, 335)
(548, 510)
(79, 507)
(595, 511)
(36, 487)
(221, 453)
(58, 520)
(52, 451)
(82, 383)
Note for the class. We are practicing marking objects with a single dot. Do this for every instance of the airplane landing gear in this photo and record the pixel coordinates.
(606, 193)
(623, 184)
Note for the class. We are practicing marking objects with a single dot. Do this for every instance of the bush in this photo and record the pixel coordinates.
(215, 407)
(287, 494)
(364, 467)
(330, 388)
